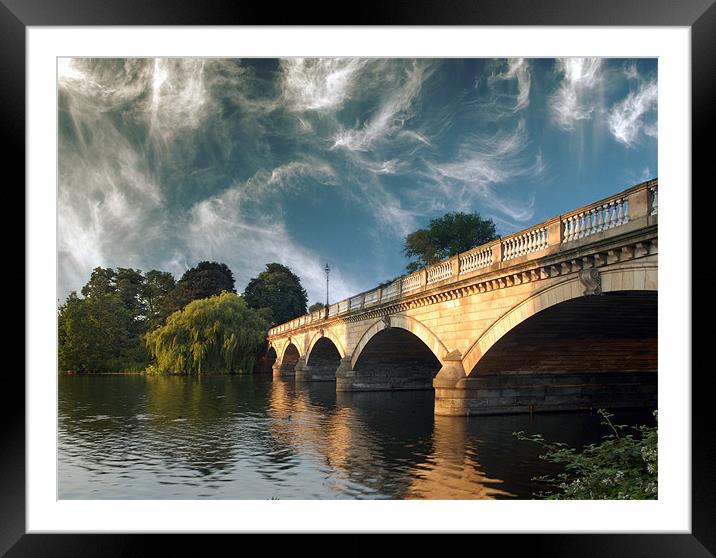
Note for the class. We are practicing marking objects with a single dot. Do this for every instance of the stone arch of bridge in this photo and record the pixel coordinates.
(633, 278)
(329, 334)
(292, 351)
(277, 348)
(420, 330)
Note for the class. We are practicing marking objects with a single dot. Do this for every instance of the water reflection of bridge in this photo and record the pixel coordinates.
(353, 449)
(559, 316)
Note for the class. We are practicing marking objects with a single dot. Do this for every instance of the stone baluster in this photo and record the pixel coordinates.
(620, 212)
(577, 226)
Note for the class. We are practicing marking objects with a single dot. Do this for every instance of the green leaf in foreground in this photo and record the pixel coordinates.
(624, 466)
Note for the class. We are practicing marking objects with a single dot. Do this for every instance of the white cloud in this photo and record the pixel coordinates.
(575, 98)
(319, 84)
(630, 70)
(109, 202)
(517, 68)
(224, 228)
(635, 114)
(390, 117)
(484, 160)
(178, 96)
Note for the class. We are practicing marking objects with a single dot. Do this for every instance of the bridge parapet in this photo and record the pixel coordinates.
(634, 208)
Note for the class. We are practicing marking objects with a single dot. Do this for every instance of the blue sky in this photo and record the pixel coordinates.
(167, 162)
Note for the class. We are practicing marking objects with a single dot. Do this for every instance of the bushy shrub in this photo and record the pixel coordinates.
(622, 467)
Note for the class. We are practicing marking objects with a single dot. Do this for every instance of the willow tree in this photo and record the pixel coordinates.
(219, 334)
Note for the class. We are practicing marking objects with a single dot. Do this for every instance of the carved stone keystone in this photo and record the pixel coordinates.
(592, 281)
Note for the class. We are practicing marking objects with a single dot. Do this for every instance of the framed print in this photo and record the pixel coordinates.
(215, 136)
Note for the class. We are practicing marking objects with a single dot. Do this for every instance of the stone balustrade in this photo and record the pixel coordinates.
(371, 297)
(596, 218)
(391, 292)
(525, 243)
(475, 259)
(356, 302)
(612, 212)
(439, 272)
(411, 283)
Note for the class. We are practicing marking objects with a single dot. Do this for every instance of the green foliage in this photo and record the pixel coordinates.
(95, 335)
(219, 334)
(204, 280)
(316, 306)
(102, 332)
(280, 290)
(621, 467)
(446, 236)
(157, 293)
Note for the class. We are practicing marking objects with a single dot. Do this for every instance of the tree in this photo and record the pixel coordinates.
(130, 284)
(446, 236)
(219, 334)
(316, 306)
(102, 281)
(204, 280)
(126, 283)
(94, 335)
(280, 290)
(157, 294)
(102, 332)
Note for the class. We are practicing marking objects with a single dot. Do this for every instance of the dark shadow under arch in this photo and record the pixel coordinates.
(324, 358)
(264, 364)
(584, 353)
(614, 332)
(395, 358)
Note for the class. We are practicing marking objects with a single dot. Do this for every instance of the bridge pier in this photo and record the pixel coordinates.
(527, 393)
(311, 373)
(451, 397)
(284, 370)
(345, 375)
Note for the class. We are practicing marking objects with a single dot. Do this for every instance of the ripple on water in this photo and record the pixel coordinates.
(231, 437)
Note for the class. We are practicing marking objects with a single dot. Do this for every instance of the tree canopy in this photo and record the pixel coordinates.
(204, 280)
(316, 306)
(280, 290)
(102, 332)
(157, 292)
(95, 335)
(446, 236)
(219, 334)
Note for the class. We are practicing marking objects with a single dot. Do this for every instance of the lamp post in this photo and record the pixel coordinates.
(327, 270)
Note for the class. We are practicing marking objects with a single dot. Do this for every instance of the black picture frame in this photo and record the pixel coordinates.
(699, 15)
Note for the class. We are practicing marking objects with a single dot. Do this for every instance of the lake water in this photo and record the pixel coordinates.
(231, 437)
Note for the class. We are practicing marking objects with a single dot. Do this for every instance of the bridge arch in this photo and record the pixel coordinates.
(328, 334)
(264, 364)
(627, 278)
(407, 323)
(290, 354)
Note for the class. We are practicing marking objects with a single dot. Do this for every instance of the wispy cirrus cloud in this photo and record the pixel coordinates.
(319, 84)
(517, 69)
(575, 98)
(164, 162)
(484, 162)
(231, 228)
(635, 115)
(390, 117)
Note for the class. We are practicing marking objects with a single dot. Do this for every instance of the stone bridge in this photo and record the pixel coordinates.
(559, 316)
